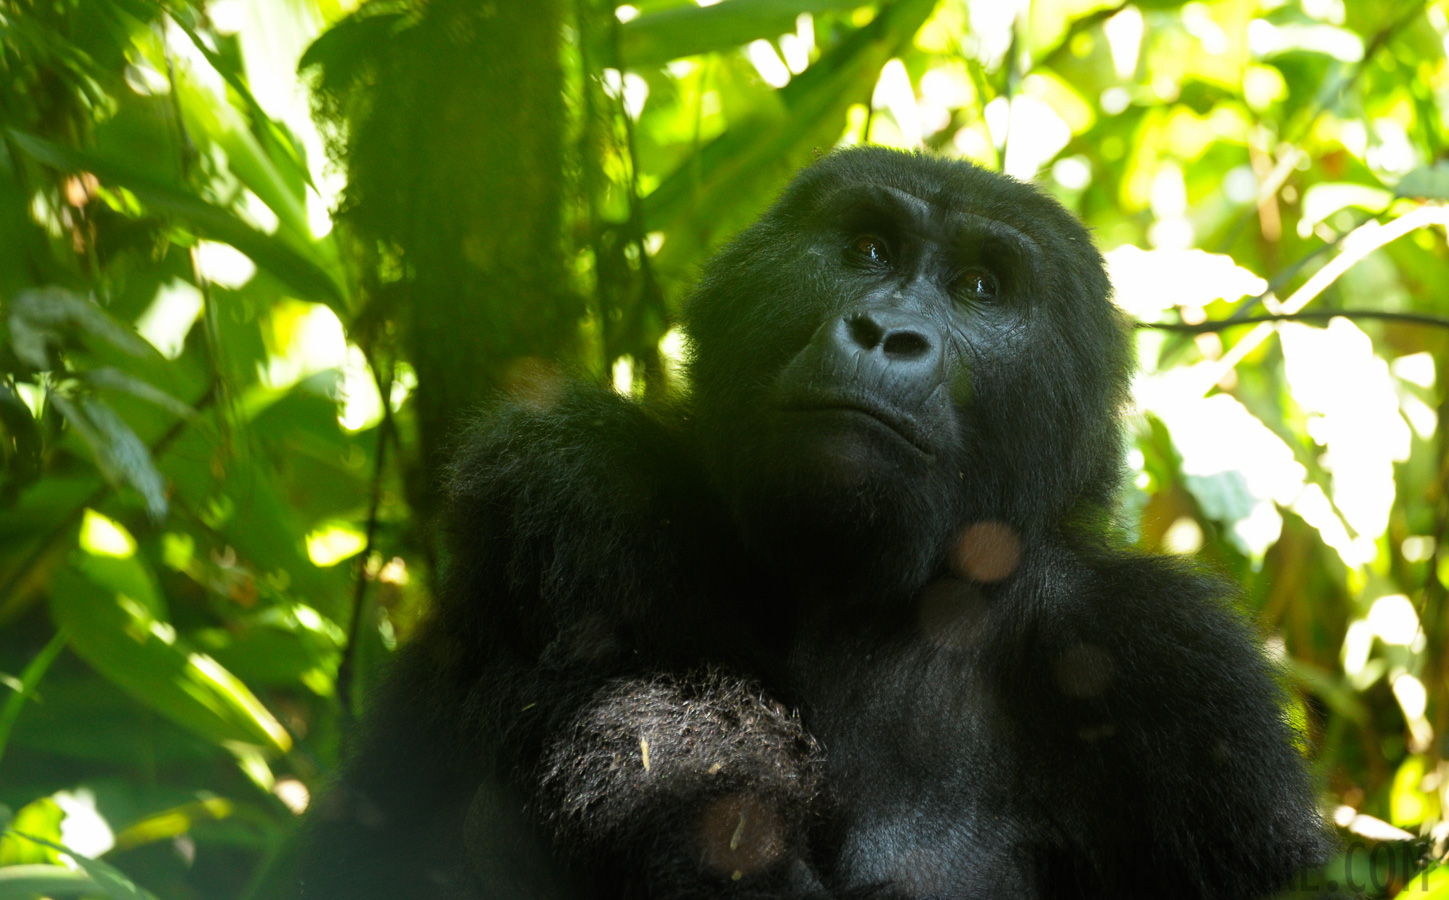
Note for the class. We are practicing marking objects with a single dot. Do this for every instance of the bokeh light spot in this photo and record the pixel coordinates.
(1393, 619)
(986, 551)
(104, 536)
(331, 544)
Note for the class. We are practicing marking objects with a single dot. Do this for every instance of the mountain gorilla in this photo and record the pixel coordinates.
(849, 621)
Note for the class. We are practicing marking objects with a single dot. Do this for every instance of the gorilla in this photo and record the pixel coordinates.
(851, 620)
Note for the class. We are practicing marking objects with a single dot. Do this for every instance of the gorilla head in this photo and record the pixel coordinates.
(902, 345)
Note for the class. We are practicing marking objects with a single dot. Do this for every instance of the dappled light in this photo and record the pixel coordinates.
(1353, 413)
(170, 317)
(331, 545)
(103, 536)
(293, 794)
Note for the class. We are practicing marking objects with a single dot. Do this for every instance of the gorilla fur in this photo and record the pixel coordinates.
(848, 621)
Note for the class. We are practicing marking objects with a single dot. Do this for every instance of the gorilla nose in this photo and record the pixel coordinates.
(898, 337)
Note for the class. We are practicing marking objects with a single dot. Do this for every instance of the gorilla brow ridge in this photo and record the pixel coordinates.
(868, 194)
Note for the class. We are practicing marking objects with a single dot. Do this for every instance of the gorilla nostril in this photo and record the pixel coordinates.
(906, 344)
(864, 331)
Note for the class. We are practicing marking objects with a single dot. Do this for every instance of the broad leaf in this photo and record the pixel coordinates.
(1426, 182)
(688, 30)
(57, 882)
(41, 319)
(119, 635)
(726, 181)
(207, 220)
(119, 453)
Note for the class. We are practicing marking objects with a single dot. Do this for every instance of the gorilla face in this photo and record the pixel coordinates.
(900, 346)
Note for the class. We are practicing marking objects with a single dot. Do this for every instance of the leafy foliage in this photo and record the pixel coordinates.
(221, 415)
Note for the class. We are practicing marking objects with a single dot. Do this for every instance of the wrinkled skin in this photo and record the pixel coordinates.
(846, 622)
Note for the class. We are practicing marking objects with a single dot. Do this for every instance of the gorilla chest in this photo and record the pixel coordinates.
(926, 792)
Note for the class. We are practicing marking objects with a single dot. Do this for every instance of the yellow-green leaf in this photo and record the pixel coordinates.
(119, 634)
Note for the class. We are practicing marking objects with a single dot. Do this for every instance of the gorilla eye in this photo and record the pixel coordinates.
(871, 249)
(978, 284)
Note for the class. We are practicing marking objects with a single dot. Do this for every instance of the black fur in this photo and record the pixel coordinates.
(846, 624)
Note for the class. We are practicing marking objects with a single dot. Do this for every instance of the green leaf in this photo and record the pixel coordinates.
(1426, 182)
(656, 38)
(116, 885)
(1328, 688)
(126, 575)
(109, 880)
(29, 680)
(88, 720)
(275, 137)
(281, 645)
(37, 819)
(18, 425)
(1409, 803)
(112, 378)
(120, 454)
(249, 161)
(173, 821)
(120, 637)
(722, 185)
(41, 318)
(57, 882)
(206, 220)
(1432, 884)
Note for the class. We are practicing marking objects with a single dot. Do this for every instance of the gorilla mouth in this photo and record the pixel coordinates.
(903, 426)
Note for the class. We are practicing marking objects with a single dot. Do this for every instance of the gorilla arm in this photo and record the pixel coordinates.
(1154, 732)
(593, 574)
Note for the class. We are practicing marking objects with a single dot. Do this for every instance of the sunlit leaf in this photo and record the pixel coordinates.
(727, 180)
(251, 163)
(298, 272)
(1409, 803)
(173, 822)
(657, 37)
(121, 637)
(1433, 884)
(38, 819)
(277, 141)
(1233, 464)
(101, 877)
(281, 645)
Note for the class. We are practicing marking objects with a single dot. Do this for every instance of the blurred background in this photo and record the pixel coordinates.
(260, 258)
